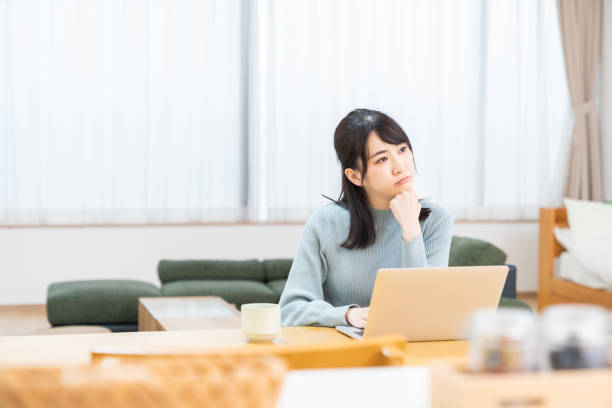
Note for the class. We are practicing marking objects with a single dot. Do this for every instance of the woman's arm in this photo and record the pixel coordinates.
(432, 247)
(302, 301)
(427, 245)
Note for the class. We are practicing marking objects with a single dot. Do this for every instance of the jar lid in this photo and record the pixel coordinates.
(507, 323)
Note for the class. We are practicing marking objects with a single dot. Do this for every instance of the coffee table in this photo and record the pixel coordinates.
(186, 313)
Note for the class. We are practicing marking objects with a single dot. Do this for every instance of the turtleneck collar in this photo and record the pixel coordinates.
(382, 218)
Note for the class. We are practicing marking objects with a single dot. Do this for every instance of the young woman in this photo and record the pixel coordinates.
(378, 222)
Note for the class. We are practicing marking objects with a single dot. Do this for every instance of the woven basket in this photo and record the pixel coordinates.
(215, 381)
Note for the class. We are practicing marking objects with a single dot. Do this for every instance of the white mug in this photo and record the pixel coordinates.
(260, 321)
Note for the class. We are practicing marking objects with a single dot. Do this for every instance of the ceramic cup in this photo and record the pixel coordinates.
(260, 321)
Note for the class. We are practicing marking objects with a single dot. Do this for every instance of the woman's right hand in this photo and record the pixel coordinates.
(357, 316)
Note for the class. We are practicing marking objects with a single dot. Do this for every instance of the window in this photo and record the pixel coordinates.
(158, 111)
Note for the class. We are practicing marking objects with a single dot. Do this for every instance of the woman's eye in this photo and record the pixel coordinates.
(382, 159)
(403, 149)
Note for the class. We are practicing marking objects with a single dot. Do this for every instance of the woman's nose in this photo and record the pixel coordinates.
(398, 167)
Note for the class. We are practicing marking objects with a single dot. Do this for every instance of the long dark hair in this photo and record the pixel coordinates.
(350, 142)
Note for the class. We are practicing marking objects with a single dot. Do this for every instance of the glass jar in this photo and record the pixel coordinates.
(502, 340)
(574, 337)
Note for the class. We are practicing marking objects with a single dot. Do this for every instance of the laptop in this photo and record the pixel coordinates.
(425, 304)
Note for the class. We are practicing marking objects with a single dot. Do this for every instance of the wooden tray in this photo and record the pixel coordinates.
(453, 386)
(377, 351)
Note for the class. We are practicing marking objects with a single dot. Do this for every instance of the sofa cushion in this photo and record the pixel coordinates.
(276, 268)
(169, 270)
(96, 301)
(232, 291)
(277, 286)
(474, 252)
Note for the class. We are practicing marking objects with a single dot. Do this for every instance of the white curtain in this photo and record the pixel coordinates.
(150, 111)
(121, 111)
(478, 86)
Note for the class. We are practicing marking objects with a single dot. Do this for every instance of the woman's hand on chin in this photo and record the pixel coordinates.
(357, 316)
(406, 209)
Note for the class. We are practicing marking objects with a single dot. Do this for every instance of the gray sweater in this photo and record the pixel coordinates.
(326, 279)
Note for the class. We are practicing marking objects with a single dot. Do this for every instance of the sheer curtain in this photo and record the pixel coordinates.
(479, 87)
(121, 111)
(222, 110)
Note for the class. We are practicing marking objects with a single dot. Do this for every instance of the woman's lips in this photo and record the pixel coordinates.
(404, 180)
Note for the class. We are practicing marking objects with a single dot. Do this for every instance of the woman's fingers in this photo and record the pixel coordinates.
(358, 316)
(364, 315)
(406, 210)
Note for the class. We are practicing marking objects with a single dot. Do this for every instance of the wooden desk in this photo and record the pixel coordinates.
(74, 349)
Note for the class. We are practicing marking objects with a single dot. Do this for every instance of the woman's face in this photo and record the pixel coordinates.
(390, 171)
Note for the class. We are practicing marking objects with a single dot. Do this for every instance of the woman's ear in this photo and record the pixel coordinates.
(354, 177)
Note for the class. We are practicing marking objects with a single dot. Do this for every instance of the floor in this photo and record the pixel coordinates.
(32, 319)
(531, 298)
(22, 320)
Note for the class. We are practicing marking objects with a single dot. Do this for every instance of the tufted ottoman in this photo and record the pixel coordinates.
(109, 303)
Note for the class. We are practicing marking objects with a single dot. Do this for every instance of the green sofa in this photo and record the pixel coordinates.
(114, 303)
(238, 282)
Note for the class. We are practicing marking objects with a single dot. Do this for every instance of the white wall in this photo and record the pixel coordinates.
(32, 258)
(606, 99)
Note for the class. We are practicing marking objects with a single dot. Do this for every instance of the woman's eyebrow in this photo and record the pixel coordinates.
(377, 153)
